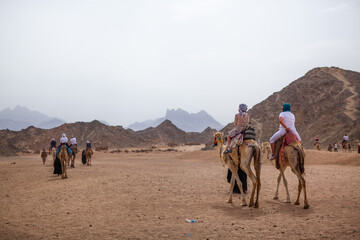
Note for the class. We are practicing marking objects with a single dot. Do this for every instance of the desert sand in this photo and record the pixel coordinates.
(150, 196)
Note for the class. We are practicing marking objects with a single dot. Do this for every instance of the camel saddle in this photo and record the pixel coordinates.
(248, 133)
(280, 144)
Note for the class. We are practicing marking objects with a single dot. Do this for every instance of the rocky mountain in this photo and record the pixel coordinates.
(325, 102)
(100, 135)
(21, 118)
(188, 122)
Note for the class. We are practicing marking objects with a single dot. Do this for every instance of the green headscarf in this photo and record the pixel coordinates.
(286, 107)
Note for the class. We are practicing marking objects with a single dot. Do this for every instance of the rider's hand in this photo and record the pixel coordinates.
(287, 129)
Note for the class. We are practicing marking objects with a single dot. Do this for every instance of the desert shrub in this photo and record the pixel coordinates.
(173, 144)
(101, 148)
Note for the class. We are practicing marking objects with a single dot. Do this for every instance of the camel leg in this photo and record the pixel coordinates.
(62, 168)
(239, 183)
(277, 187)
(232, 184)
(73, 161)
(306, 204)
(235, 175)
(286, 188)
(65, 169)
(299, 191)
(251, 175)
(257, 167)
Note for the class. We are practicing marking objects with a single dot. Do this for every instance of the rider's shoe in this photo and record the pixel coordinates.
(228, 150)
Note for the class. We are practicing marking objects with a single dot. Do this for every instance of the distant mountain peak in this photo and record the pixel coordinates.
(194, 122)
(21, 117)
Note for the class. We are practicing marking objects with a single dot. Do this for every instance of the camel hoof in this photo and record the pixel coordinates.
(243, 204)
(306, 206)
(287, 201)
(297, 203)
(256, 205)
(276, 198)
(229, 201)
(251, 204)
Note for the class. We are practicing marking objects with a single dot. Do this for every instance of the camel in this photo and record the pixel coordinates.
(73, 155)
(294, 156)
(346, 147)
(88, 154)
(53, 154)
(242, 155)
(317, 145)
(63, 155)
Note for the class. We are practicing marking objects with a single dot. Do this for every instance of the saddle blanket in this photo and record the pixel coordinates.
(68, 149)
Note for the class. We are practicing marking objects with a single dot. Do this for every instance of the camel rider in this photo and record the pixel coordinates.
(240, 123)
(52, 144)
(64, 141)
(73, 141)
(88, 144)
(345, 138)
(287, 124)
(316, 139)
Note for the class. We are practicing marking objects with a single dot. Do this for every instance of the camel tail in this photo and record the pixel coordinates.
(257, 160)
(301, 159)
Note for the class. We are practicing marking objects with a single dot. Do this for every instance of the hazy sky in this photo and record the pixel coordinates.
(126, 61)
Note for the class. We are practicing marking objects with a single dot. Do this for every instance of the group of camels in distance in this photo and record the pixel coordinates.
(65, 158)
(346, 146)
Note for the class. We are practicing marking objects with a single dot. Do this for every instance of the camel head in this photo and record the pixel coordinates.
(266, 150)
(218, 138)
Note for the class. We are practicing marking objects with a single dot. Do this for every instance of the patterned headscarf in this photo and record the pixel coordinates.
(243, 108)
(286, 107)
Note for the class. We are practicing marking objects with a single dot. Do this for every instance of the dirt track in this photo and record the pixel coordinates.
(149, 196)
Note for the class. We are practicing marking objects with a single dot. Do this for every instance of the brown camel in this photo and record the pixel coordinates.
(88, 154)
(242, 155)
(63, 155)
(346, 147)
(73, 155)
(53, 154)
(294, 155)
(317, 145)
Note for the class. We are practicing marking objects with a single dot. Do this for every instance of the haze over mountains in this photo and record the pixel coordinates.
(21, 117)
(188, 122)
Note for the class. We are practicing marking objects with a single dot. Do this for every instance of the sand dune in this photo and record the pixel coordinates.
(150, 196)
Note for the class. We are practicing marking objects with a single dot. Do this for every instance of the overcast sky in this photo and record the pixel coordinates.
(126, 61)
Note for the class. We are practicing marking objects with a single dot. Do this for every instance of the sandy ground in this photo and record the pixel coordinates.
(150, 196)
